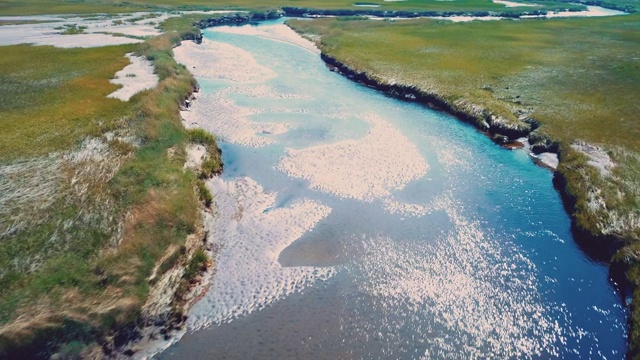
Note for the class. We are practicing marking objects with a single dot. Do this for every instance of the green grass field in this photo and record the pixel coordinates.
(56, 97)
(30, 7)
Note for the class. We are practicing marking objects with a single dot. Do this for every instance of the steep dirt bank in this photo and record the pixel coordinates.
(498, 128)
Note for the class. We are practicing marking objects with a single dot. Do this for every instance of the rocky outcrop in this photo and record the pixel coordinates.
(197, 38)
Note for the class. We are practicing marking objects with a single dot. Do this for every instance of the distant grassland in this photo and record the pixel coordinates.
(21, 22)
(13, 7)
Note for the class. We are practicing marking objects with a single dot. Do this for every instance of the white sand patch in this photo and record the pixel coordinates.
(280, 33)
(381, 162)
(51, 34)
(467, 18)
(17, 36)
(221, 116)
(598, 158)
(141, 30)
(592, 11)
(219, 61)
(135, 77)
(98, 30)
(195, 156)
(512, 3)
(251, 234)
(549, 159)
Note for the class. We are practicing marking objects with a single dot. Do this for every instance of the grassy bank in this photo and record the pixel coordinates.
(577, 77)
(94, 195)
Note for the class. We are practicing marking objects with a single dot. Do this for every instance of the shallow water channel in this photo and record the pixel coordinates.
(352, 225)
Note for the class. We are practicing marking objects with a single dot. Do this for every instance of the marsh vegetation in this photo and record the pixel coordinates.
(94, 193)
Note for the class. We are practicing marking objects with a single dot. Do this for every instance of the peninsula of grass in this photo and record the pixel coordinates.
(94, 196)
(578, 78)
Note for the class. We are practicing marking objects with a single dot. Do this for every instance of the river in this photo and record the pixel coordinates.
(351, 225)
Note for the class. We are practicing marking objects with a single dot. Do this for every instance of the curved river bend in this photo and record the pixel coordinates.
(352, 225)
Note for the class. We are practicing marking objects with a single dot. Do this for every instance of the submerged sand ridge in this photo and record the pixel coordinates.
(207, 111)
(364, 169)
(253, 232)
(219, 61)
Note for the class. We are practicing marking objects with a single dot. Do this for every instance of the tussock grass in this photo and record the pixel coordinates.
(202, 137)
(204, 194)
(71, 29)
(185, 22)
(196, 264)
(212, 164)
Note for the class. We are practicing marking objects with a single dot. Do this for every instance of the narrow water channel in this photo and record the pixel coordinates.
(351, 225)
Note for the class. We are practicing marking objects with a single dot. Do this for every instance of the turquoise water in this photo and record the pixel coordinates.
(466, 254)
